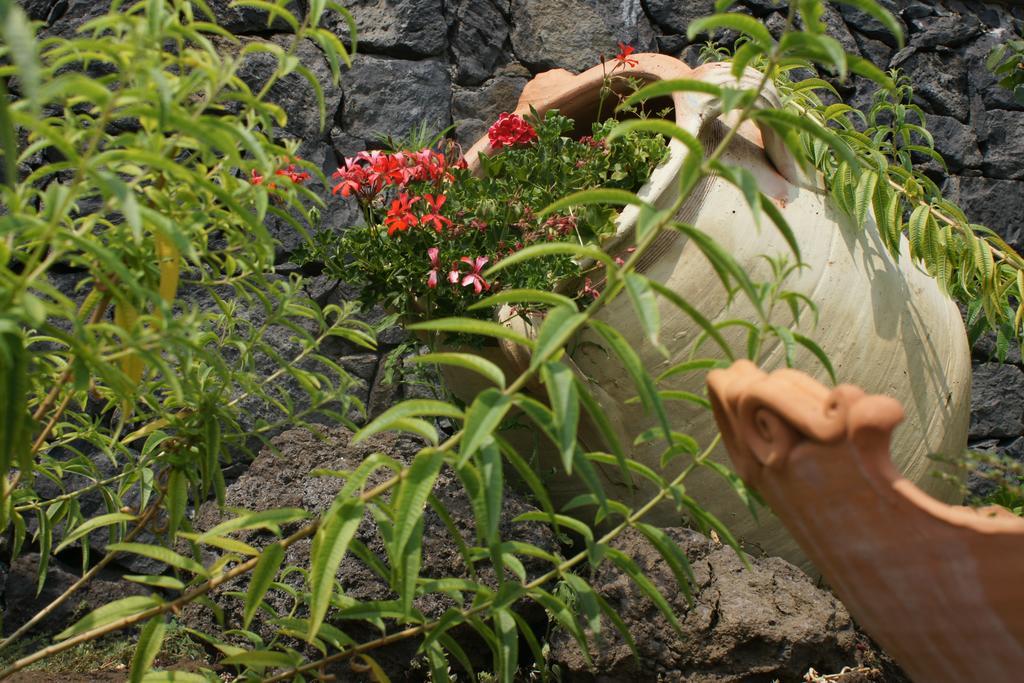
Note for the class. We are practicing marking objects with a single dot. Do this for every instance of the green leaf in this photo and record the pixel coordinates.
(646, 308)
(529, 476)
(22, 49)
(565, 617)
(768, 206)
(508, 643)
(644, 384)
(917, 226)
(484, 328)
(93, 524)
(265, 519)
(630, 568)
(469, 361)
(174, 677)
(666, 87)
(559, 325)
(604, 195)
(695, 315)
(747, 183)
(604, 425)
(688, 396)
(483, 417)
(580, 251)
(404, 410)
(262, 576)
(563, 520)
(586, 601)
(412, 494)
(165, 582)
(692, 366)
(818, 352)
(150, 641)
(745, 494)
(519, 296)
(737, 22)
(14, 429)
(882, 15)
(864, 67)
(407, 564)
(565, 407)
(160, 554)
(109, 613)
(822, 49)
(660, 126)
(177, 499)
(673, 556)
(724, 264)
(263, 659)
(784, 121)
(330, 542)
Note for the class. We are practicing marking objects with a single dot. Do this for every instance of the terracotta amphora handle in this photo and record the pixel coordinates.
(700, 109)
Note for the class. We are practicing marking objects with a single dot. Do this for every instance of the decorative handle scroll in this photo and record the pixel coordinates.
(764, 417)
(938, 586)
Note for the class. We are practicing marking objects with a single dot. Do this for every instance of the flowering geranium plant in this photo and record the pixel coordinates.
(433, 227)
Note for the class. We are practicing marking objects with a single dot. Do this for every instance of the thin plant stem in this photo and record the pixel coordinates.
(450, 443)
(550, 575)
(88, 576)
(184, 599)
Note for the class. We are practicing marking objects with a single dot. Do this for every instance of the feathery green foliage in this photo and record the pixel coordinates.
(157, 214)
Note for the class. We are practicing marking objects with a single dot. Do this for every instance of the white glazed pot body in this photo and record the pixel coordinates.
(885, 325)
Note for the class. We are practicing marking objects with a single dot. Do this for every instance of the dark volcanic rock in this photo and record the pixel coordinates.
(765, 623)
(23, 603)
(242, 20)
(950, 31)
(63, 17)
(393, 96)
(479, 38)
(475, 109)
(997, 401)
(980, 80)
(986, 480)
(401, 28)
(675, 17)
(875, 51)
(293, 93)
(1004, 144)
(869, 26)
(836, 27)
(998, 204)
(985, 350)
(940, 80)
(283, 479)
(573, 34)
(956, 142)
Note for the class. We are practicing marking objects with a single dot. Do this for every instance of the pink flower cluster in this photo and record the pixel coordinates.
(510, 130)
(472, 278)
(366, 174)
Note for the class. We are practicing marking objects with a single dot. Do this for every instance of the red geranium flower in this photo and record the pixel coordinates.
(297, 177)
(433, 215)
(400, 216)
(623, 59)
(510, 129)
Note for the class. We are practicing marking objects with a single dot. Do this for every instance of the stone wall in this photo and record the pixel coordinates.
(463, 62)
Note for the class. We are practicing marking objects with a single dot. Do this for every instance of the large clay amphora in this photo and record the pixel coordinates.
(885, 324)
